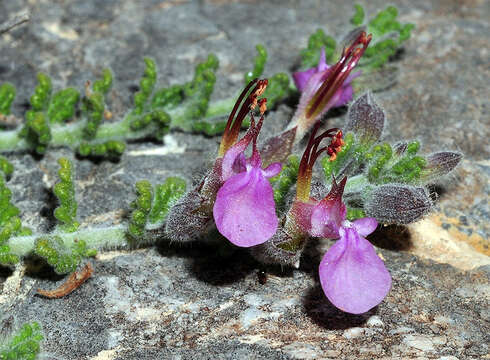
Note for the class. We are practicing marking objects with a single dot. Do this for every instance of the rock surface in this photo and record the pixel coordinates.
(176, 302)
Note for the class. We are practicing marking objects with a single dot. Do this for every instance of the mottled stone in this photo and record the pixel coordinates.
(188, 302)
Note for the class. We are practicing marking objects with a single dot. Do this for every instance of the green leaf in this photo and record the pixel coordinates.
(7, 96)
(10, 224)
(198, 92)
(158, 118)
(388, 37)
(42, 93)
(64, 259)
(400, 166)
(165, 195)
(24, 345)
(142, 206)
(64, 190)
(284, 181)
(108, 149)
(168, 97)
(93, 107)
(104, 84)
(358, 17)
(259, 64)
(147, 84)
(311, 55)
(62, 106)
(277, 89)
(36, 131)
(6, 167)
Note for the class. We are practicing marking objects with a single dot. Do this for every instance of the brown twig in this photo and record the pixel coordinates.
(73, 282)
(11, 23)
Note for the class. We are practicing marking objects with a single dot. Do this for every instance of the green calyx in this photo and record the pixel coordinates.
(64, 260)
(25, 344)
(64, 190)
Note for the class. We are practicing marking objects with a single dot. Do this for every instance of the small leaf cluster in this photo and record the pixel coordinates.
(384, 181)
(7, 96)
(10, 224)
(278, 86)
(47, 109)
(6, 167)
(316, 42)
(62, 258)
(283, 181)
(64, 190)
(151, 206)
(93, 109)
(402, 165)
(388, 35)
(25, 345)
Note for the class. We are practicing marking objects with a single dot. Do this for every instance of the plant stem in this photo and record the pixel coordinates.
(112, 237)
(70, 135)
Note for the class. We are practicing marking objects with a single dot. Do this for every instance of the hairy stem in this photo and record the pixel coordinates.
(70, 135)
(112, 237)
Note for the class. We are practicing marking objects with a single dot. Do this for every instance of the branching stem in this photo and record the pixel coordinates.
(70, 135)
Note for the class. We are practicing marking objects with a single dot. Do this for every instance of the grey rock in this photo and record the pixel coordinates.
(186, 301)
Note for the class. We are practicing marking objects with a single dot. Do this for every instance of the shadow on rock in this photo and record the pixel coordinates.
(216, 263)
(323, 313)
(391, 237)
(38, 268)
(5, 272)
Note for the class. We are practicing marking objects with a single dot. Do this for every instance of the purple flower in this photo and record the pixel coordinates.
(344, 93)
(325, 87)
(352, 275)
(244, 211)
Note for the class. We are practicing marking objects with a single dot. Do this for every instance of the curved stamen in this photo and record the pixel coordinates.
(337, 75)
(234, 124)
(310, 156)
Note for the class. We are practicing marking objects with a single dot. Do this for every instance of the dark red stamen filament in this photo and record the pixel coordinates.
(310, 156)
(337, 75)
(234, 124)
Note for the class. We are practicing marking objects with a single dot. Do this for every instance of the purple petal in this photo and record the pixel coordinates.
(244, 211)
(230, 159)
(326, 220)
(240, 164)
(344, 95)
(322, 62)
(365, 226)
(352, 275)
(301, 78)
(272, 170)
